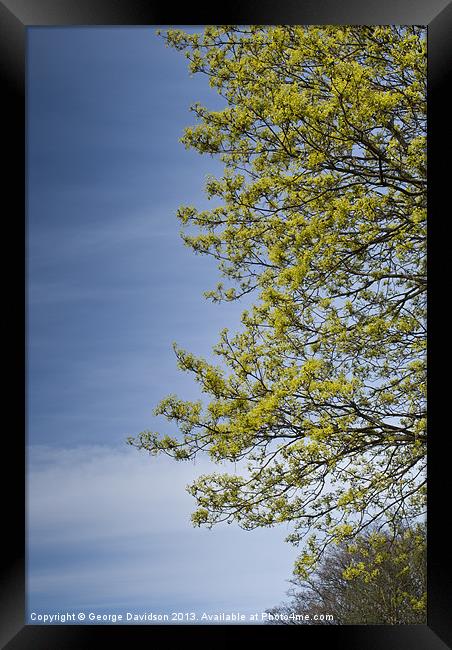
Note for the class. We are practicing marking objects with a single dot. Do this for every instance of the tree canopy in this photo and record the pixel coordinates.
(379, 580)
(320, 215)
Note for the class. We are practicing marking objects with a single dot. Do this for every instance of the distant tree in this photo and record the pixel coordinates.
(380, 579)
(321, 214)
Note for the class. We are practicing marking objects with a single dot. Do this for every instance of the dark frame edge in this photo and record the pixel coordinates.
(12, 64)
(439, 139)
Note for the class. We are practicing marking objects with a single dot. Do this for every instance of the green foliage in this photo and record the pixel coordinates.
(322, 213)
(380, 579)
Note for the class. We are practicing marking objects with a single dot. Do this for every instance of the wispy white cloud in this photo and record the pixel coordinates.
(109, 528)
(70, 240)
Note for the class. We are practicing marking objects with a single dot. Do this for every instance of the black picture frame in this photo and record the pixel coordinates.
(15, 17)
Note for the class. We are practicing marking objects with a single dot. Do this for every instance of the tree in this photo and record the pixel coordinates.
(379, 580)
(320, 214)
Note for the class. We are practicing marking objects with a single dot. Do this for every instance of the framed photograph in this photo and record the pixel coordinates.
(224, 380)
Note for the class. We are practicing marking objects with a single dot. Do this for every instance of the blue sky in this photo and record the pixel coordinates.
(110, 287)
